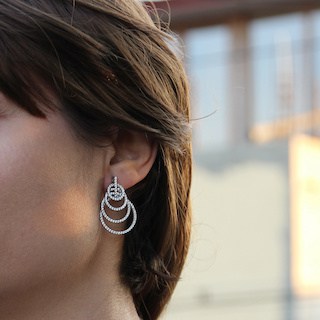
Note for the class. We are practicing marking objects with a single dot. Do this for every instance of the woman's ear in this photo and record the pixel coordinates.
(134, 156)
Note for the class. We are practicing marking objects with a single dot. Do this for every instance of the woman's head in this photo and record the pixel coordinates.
(108, 82)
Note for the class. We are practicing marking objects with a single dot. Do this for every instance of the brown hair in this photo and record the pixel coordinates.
(111, 66)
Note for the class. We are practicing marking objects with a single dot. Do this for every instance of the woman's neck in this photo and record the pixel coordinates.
(95, 293)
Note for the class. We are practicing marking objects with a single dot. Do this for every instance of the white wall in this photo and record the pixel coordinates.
(237, 263)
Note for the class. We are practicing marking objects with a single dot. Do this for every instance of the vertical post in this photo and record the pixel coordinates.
(308, 62)
(240, 81)
(288, 268)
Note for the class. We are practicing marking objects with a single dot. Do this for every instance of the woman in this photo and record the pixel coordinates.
(95, 161)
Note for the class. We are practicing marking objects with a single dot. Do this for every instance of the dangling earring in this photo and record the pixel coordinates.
(116, 192)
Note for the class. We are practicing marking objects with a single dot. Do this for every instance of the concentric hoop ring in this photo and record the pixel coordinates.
(116, 220)
(134, 220)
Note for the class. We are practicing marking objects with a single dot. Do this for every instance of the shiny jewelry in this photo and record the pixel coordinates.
(116, 192)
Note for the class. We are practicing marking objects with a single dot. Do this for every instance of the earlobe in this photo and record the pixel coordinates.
(133, 158)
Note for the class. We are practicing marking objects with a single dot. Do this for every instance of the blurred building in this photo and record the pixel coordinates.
(254, 69)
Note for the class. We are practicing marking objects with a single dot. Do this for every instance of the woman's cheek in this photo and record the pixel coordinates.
(48, 224)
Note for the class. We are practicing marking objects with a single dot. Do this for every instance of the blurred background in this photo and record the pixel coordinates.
(254, 69)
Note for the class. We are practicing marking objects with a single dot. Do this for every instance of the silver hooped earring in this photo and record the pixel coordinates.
(116, 192)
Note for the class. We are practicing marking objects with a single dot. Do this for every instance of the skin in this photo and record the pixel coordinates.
(57, 262)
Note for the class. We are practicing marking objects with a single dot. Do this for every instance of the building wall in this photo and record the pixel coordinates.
(254, 83)
(237, 267)
(255, 80)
